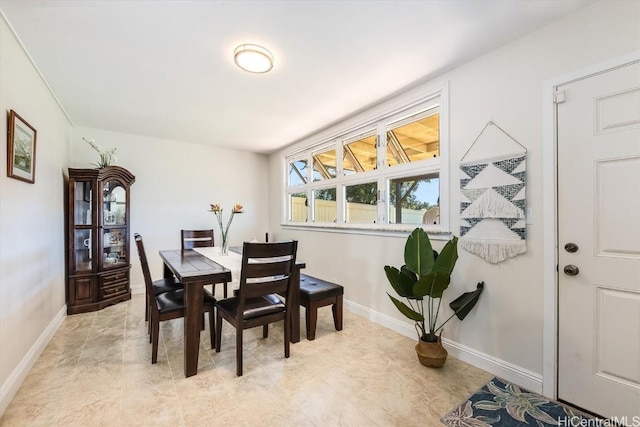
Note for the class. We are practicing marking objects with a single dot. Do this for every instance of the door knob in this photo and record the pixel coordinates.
(571, 247)
(571, 270)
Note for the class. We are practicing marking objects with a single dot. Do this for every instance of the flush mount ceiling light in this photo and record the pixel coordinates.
(253, 58)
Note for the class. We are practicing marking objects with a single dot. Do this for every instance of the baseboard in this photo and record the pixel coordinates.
(498, 367)
(137, 289)
(505, 370)
(12, 384)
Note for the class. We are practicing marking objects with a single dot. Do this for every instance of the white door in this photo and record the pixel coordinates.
(598, 126)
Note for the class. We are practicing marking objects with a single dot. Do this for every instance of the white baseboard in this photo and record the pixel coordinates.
(14, 381)
(137, 289)
(500, 368)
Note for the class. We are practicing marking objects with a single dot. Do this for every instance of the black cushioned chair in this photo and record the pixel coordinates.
(167, 305)
(266, 271)
(160, 286)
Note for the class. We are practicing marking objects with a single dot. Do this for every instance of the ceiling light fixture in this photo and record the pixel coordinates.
(253, 58)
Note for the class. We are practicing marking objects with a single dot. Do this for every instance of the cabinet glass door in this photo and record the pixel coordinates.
(83, 250)
(114, 203)
(114, 227)
(82, 203)
(114, 245)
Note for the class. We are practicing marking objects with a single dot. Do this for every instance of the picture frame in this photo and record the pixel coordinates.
(21, 149)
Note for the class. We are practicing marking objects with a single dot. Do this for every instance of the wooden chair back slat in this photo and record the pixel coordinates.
(265, 269)
(278, 286)
(267, 250)
(196, 238)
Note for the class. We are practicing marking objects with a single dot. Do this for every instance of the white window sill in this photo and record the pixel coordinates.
(364, 229)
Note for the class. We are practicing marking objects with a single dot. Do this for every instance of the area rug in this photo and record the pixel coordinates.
(502, 404)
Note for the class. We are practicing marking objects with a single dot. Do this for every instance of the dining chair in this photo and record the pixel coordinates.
(267, 269)
(199, 239)
(169, 304)
(160, 286)
(196, 238)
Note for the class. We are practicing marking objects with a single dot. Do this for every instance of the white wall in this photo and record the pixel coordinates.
(175, 184)
(504, 331)
(32, 293)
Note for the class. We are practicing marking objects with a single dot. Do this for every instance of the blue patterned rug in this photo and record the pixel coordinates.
(502, 404)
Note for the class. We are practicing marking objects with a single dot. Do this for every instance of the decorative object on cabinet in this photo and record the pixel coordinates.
(493, 200)
(107, 157)
(422, 280)
(21, 149)
(98, 261)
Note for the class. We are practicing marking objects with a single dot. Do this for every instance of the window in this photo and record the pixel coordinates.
(298, 207)
(390, 173)
(359, 155)
(324, 165)
(324, 205)
(361, 203)
(297, 172)
(414, 141)
(414, 200)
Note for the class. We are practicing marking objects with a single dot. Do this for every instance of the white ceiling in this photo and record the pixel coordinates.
(165, 68)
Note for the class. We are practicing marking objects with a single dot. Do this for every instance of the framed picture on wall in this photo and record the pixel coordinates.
(21, 149)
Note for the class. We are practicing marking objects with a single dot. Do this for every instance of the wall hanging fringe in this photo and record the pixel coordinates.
(493, 199)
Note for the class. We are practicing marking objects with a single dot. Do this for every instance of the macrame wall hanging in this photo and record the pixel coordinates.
(493, 203)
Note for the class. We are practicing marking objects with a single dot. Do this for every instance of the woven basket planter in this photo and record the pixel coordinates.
(431, 354)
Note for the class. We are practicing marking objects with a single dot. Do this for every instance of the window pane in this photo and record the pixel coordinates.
(359, 156)
(414, 200)
(298, 207)
(297, 172)
(414, 141)
(324, 205)
(324, 165)
(362, 202)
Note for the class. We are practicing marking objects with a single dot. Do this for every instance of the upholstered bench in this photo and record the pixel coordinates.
(315, 293)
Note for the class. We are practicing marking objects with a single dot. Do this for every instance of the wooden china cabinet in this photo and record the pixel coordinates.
(98, 238)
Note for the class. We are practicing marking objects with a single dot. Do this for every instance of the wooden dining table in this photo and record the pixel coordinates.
(203, 266)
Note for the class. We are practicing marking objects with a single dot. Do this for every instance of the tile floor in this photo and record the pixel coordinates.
(97, 371)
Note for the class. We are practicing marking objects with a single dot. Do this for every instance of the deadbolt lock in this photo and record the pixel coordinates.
(571, 247)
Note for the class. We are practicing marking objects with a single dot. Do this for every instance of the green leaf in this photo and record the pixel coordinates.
(408, 312)
(400, 282)
(465, 302)
(433, 284)
(440, 284)
(418, 254)
(404, 270)
(423, 286)
(447, 258)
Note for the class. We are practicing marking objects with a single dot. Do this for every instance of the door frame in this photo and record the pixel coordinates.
(549, 215)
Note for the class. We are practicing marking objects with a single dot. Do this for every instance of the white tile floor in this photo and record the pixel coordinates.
(97, 371)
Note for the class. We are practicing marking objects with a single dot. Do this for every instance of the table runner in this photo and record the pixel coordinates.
(232, 261)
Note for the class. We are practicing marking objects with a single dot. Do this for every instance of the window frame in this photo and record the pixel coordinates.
(436, 101)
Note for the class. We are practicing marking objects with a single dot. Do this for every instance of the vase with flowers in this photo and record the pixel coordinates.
(224, 230)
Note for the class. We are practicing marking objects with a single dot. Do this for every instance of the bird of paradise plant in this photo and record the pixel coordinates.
(224, 230)
(422, 281)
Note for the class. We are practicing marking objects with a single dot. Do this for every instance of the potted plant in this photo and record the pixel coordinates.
(422, 282)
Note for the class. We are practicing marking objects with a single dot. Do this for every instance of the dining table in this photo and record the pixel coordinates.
(198, 267)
